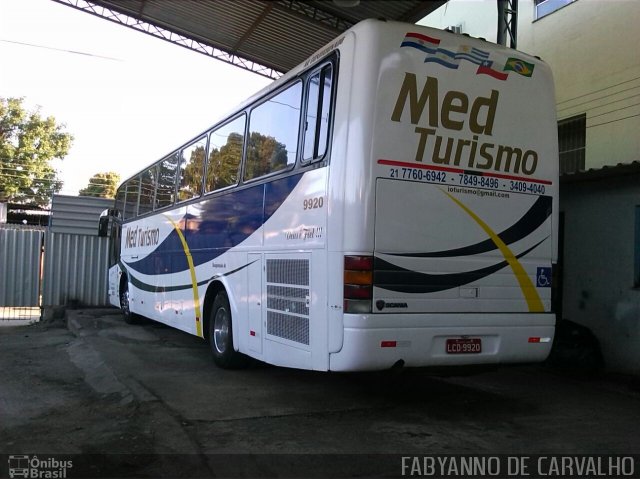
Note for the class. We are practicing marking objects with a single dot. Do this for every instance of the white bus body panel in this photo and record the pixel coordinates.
(291, 237)
(463, 246)
(453, 257)
(419, 340)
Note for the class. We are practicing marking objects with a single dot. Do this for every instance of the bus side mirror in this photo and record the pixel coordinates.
(103, 224)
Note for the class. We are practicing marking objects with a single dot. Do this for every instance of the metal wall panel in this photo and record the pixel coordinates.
(20, 266)
(75, 269)
(77, 214)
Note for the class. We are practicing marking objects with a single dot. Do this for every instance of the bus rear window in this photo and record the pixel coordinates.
(318, 114)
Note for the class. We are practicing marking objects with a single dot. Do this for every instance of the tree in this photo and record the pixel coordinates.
(190, 184)
(264, 155)
(224, 162)
(102, 185)
(28, 144)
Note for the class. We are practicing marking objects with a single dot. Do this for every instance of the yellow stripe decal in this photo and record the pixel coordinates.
(528, 289)
(194, 282)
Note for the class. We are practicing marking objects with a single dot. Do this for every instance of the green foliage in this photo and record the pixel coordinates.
(191, 183)
(102, 185)
(264, 155)
(224, 163)
(28, 143)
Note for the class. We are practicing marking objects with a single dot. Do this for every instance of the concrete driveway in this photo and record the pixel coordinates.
(142, 396)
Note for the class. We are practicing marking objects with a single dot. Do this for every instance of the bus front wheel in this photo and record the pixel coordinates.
(129, 317)
(221, 335)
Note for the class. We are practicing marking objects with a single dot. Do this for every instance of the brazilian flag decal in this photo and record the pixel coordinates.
(519, 66)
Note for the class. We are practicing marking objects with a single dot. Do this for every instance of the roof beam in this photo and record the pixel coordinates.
(143, 4)
(170, 36)
(335, 22)
(253, 26)
(417, 13)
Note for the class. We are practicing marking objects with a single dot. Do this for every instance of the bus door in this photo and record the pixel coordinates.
(255, 302)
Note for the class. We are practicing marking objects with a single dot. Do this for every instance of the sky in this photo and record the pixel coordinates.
(126, 97)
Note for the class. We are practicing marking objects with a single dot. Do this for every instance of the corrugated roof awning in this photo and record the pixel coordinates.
(266, 37)
(606, 171)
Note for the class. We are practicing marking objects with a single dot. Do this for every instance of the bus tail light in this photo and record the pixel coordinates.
(358, 277)
(358, 284)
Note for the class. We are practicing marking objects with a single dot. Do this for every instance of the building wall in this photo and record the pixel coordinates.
(598, 265)
(477, 18)
(592, 48)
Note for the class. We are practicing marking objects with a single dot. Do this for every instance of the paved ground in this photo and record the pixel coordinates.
(103, 387)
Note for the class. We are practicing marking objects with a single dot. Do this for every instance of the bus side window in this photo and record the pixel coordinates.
(147, 190)
(316, 135)
(225, 154)
(166, 191)
(273, 133)
(192, 170)
(120, 200)
(131, 200)
(114, 243)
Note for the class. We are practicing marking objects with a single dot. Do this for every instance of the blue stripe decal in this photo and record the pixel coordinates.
(448, 53)
(469, 58)
(441, 62)
(531, 221)
(395, 278)
(477, 51)
(418, 46)
(217, 224)
(152, 288)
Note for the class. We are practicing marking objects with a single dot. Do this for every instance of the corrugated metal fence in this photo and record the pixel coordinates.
(43, 268)
(75, 269)
(74, 256)
(20, 256)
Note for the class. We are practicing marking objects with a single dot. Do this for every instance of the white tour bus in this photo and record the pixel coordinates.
(391, 201)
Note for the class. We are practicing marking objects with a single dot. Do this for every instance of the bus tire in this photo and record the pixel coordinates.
(221, 335)
(125, 307)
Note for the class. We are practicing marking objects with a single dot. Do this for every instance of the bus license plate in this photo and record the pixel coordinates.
(464, 346)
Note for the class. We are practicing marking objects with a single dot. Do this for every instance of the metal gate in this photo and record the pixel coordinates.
(20, 272)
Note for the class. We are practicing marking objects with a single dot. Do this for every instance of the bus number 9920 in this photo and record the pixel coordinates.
(313, 203)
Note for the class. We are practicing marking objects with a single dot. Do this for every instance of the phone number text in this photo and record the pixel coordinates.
(418, 175)
(465, 179)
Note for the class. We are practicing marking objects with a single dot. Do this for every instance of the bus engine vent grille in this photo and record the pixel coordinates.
(287, 326)
(288, 271)
(288, 299)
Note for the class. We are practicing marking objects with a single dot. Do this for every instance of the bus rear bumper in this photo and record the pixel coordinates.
(378, 342)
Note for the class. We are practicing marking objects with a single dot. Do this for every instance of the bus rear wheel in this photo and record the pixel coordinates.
(221, 335)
